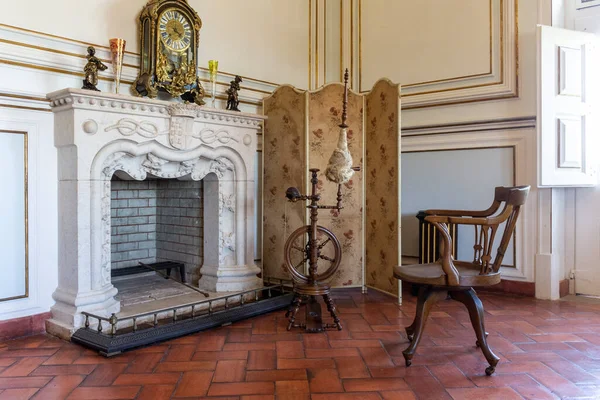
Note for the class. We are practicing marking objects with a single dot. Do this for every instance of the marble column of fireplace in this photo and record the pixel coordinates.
(98, 134)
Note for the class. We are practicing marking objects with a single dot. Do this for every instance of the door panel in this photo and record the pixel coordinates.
(567, 108)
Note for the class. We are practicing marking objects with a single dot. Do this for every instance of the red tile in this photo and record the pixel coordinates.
(230, 371)
(398, 395)
(180, 353)
(104, 393)
(220, 355)
(193, 384)
(450, 376)
(26, 382)
(63, 357)
(290, 349)
(316, 341)
(211, 343)
(165, 378)
(351, 367)
(248, 346)
(53, 370)
(186, 366)
(324, 381)
(277, 375)
(237, 389)
(329, 353)
(535, 393)
(376, 357)
(104, 375)
(354, 343)
(375, 384)
(156, 392)
(504, 393)
(293, 387)
(346, 396)
(23, 367)
(557, 337)
(59, 387)
(144, 363)
(262, 359)
(17, 394)
(314, 363)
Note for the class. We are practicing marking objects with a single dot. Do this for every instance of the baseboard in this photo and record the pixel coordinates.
(563, 288)
(513, 287)
(505, 286)
(26, 326)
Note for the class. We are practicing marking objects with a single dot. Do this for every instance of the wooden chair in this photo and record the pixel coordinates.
(457, 278)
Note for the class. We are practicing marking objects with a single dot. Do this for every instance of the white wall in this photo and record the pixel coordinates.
(262, 39)
(584, 204)
(462, 174)
(42, 207)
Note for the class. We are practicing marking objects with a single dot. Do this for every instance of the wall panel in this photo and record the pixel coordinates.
(234, 32)
(13, 214)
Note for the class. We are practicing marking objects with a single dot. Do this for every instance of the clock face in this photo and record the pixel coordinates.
(175, 30)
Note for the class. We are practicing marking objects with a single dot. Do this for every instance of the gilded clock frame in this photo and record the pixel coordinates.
(147, 83)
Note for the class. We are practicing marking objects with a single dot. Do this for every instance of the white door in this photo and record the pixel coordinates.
(568, 92)
(568, 131)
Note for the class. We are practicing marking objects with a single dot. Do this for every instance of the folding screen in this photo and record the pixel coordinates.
(301, 133)
(382, 185)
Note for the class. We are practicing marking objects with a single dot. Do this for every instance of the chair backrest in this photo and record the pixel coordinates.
(512, 198)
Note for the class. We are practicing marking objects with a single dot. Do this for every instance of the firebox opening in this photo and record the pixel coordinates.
(156, 220)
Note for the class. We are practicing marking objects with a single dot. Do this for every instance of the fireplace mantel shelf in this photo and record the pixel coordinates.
(71, 98)
(99, 134)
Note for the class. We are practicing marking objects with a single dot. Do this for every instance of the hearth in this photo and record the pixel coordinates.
(105, 140)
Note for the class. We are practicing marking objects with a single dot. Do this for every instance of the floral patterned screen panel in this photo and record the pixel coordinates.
(301, 133)
(284, 153)
(325, 116)
(382, 177)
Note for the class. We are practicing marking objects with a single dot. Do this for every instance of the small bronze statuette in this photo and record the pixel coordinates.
(91, 70)
(233, 100)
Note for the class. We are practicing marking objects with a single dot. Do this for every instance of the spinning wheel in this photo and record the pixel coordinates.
(312, 253)
(297, 252)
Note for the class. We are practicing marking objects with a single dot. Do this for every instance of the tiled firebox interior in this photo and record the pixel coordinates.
(547, 350)
(157, 220)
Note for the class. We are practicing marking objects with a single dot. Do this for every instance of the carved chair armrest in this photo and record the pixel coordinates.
(465, 213)
(462, 220)
(446, 254)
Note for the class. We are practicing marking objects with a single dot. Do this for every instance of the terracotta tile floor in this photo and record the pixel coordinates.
(548, 350)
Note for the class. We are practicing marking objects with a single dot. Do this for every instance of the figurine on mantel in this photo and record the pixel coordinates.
(91, 70)
(233, 100)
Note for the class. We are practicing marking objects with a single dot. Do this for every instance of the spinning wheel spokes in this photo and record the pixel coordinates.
(329, 250)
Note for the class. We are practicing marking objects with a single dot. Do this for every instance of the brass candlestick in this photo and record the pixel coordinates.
(117, 49)
(213, 66)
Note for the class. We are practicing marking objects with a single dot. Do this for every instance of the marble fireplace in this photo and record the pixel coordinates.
(103, 139)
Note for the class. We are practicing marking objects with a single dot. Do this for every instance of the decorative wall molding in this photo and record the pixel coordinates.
(52, 55)
(473, 126)
(500, 83)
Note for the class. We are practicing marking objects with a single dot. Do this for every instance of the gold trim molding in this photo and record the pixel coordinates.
(499, 81)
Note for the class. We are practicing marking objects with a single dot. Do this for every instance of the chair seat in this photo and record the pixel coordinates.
(433, 274)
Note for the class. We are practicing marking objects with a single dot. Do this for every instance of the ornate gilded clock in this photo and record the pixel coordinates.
(169, 36)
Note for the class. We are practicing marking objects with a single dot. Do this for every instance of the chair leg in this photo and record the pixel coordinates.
(475, 307)
(410, 330)
(428, 296)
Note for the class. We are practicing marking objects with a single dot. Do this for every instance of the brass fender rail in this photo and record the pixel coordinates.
(113, 320)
